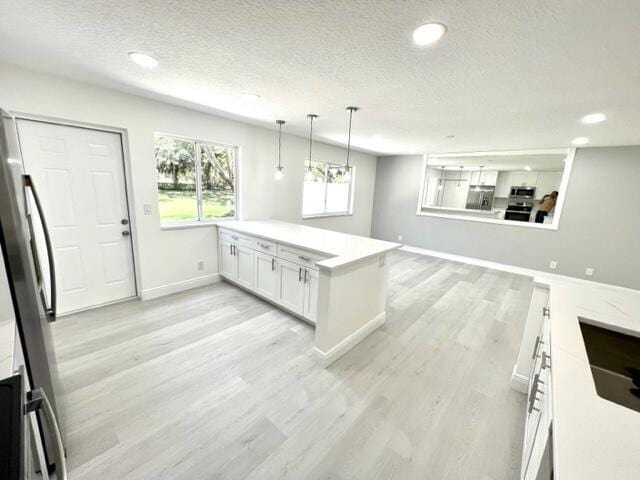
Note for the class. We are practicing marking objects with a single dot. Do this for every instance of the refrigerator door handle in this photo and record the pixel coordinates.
(53, 309)
(37, 400)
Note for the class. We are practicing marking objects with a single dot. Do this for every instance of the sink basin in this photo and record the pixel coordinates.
(615, 363)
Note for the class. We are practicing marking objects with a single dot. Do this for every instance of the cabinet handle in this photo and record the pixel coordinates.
(234, 237)
(231, 249)
(303, 258)
(306, 275)
(546, 312)
(545, 365)
(534, 394)
(265, 246)
(537, 346)
(300, 274)
(273, 264)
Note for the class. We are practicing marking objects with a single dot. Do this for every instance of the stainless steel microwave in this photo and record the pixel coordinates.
(523, 192)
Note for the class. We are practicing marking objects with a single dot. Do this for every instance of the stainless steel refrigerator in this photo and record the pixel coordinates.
(34, 308)
(480, 197)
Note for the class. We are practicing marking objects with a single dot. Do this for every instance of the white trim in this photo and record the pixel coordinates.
(176, 287)
(538, 274)
(519, 382)
(327, 358)
(564, 183)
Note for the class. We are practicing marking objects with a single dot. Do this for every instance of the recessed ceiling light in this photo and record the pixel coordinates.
(527, 168)
(594, 118)
(250, 97)
(428, 33)
(142, 59)
(580, 141)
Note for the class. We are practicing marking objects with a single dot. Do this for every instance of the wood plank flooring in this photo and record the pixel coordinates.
(214, 383)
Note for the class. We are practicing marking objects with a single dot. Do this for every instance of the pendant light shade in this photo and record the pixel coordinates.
(347, 167)
(279, 168)
(308, 174)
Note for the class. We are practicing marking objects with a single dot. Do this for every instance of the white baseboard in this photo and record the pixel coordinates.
(327, 358)
(542, 275)
(519, 382)
(176, 287)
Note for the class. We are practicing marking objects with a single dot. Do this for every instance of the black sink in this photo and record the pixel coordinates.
(615, 363)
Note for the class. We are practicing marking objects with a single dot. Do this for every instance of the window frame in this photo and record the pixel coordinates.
(352, 179)
(199, 221)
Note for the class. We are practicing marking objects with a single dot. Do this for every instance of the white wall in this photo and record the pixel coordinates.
(170, 256)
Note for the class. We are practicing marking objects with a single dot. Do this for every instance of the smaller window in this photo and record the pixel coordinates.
(196, 180)
(328, 192)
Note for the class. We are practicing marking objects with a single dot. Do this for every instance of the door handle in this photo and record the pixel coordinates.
(300, 274)
(52, 311)
(125, 233)
(37, 400)
(273, 264)
(306, 275)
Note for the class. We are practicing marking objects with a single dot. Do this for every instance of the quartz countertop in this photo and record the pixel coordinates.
(593, 438)
(342, 248)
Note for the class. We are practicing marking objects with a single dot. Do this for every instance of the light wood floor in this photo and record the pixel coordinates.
(216, 384)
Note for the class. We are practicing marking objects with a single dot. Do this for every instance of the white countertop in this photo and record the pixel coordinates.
(344, 249)
(593, 438)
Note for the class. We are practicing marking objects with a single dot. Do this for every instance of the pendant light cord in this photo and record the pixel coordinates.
(279, 144)
(311, 117)
(351, 110)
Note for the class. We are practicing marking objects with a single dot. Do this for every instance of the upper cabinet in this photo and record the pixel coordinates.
(548, 182)
(488, 177)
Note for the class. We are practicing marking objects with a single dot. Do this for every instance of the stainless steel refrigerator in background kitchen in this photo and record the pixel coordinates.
(34, 362)
(480, 197)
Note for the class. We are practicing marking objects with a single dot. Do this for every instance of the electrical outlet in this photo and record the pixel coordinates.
(588, 272)
(399, 238)
(200, 265)
(147, 209)
(553, 265)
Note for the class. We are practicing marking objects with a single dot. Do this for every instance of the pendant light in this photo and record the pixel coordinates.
(308, 175)
(279, 168)
(348, 167)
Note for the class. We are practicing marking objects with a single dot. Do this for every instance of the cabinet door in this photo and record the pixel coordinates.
(503, 184)
(311, 294)
(290, 286)
(228, 266)
(244, 257)
(266, 275)
(547, 183)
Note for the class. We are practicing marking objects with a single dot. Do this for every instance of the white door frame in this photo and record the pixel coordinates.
(128, 184)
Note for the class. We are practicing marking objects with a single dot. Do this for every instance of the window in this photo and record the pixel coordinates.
(196, 180)
(328, 191)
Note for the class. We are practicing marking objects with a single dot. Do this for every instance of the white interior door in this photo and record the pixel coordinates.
(79, 175)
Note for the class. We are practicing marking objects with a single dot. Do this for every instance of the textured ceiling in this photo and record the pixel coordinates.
(508, 74)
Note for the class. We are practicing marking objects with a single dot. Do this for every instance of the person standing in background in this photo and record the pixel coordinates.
(545, 205)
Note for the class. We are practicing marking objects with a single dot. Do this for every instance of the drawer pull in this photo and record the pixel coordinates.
(264, 245)
(235, 237)
(299, 274)
(304, 258)
(537, 347)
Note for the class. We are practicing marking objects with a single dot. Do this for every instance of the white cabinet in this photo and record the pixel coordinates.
(236, 263)
(311, 280)
(266, 275)
(503, 185)
(291, 287)
(244, 257)
(285, 275)
(228, 265)
(524, 179)
(488, 177)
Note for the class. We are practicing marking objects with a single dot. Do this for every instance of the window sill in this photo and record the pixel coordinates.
(185, 225)
(325, 215)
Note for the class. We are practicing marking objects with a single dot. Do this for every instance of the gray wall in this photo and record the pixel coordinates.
(599, 226)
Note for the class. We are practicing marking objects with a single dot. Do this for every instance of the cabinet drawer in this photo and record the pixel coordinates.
(237, 238)
(266, 246)
(299, 256)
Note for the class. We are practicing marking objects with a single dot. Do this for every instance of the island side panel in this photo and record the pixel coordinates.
(351, 305)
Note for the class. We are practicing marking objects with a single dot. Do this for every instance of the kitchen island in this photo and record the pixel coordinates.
(333, 280)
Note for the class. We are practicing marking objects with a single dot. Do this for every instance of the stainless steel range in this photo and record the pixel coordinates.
(520, 204)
